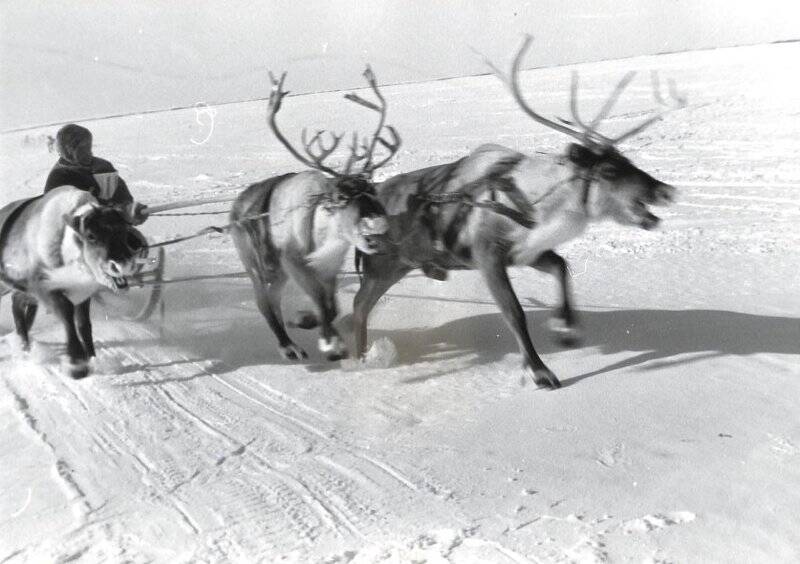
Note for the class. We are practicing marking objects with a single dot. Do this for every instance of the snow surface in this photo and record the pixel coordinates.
(676, 437)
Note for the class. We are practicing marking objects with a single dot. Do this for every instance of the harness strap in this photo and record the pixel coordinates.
(523, 219)
(454, 228)
(523, 215)
(584, 162)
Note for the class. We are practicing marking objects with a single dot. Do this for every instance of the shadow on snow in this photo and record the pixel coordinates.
(656, 335)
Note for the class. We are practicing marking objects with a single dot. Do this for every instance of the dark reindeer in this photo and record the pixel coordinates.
(301, 225)
(497, 208)
(60, 249)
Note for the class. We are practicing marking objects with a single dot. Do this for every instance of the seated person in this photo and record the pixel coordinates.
(78, 167)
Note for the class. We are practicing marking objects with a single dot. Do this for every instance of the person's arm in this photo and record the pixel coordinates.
(136, 211)
(112, 189)
(116, 191)
(121, 195)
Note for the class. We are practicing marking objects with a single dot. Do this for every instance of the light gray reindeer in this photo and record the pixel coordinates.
(301, 225)
(497, 208)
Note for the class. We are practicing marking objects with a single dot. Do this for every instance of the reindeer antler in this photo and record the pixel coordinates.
(588, 134)
(316, 149)
(276, 96)
(369, 147)
(679, 102)
(512, 81)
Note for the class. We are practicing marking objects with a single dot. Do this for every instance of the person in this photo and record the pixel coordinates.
(78, 167)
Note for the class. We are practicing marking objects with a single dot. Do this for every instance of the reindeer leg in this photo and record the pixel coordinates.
(83, 323)
(381, 272)
(78, 366)
(564, 324)
(331, 342)
(322, 291)
(24, 310)
(268, 280)
(491, 262)
(268, 299)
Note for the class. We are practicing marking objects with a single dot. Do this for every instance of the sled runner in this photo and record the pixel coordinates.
(153, 277)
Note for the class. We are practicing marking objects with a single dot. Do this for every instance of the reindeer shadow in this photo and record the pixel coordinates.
(657, 335)
(242, 338)
(234, 332)
(660, 335)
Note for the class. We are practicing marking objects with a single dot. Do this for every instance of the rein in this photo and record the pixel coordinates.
(325, 200)
(210, 229)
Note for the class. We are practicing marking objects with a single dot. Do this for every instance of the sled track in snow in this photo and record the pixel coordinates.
(260, 460)
(62, 472)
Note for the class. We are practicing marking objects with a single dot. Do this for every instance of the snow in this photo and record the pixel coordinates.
(674, 439)
(382, 353)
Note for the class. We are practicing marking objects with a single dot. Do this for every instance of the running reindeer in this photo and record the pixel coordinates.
(301, 225)
(61, 249)
(497, 208)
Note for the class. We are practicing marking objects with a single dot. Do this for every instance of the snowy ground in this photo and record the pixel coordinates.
(675, 439)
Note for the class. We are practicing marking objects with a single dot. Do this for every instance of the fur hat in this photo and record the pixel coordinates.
(74, 144)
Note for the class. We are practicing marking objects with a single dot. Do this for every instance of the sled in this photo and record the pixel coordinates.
(150, 278)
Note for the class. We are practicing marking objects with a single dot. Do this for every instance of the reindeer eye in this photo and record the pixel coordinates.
(134, 242)
(608, 171)
(91, 238)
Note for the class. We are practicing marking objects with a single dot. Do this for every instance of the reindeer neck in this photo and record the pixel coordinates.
(560, 212)
(553, 185)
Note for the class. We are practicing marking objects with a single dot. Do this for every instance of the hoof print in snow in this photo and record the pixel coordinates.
(659, 521)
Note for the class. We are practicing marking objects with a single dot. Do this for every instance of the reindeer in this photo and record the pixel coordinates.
(301, 225)
(497, 208)
(61, 249)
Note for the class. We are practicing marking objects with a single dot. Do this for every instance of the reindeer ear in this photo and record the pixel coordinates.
(77, 223)
(580, 155)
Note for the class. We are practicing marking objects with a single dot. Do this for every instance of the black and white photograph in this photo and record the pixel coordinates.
(399, 281)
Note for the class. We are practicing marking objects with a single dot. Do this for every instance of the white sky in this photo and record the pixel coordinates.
(69, 60)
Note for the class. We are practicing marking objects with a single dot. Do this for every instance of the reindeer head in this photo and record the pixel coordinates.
(108, 244)
(364, 222)
(616, 189)
(352, 195)
(612, 185)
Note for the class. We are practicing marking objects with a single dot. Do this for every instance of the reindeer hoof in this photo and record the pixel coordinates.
(77, 370)
(333, 348)
(17, 344)
(544, 378)
(293, 352)
(304, 320)
(567, 335)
